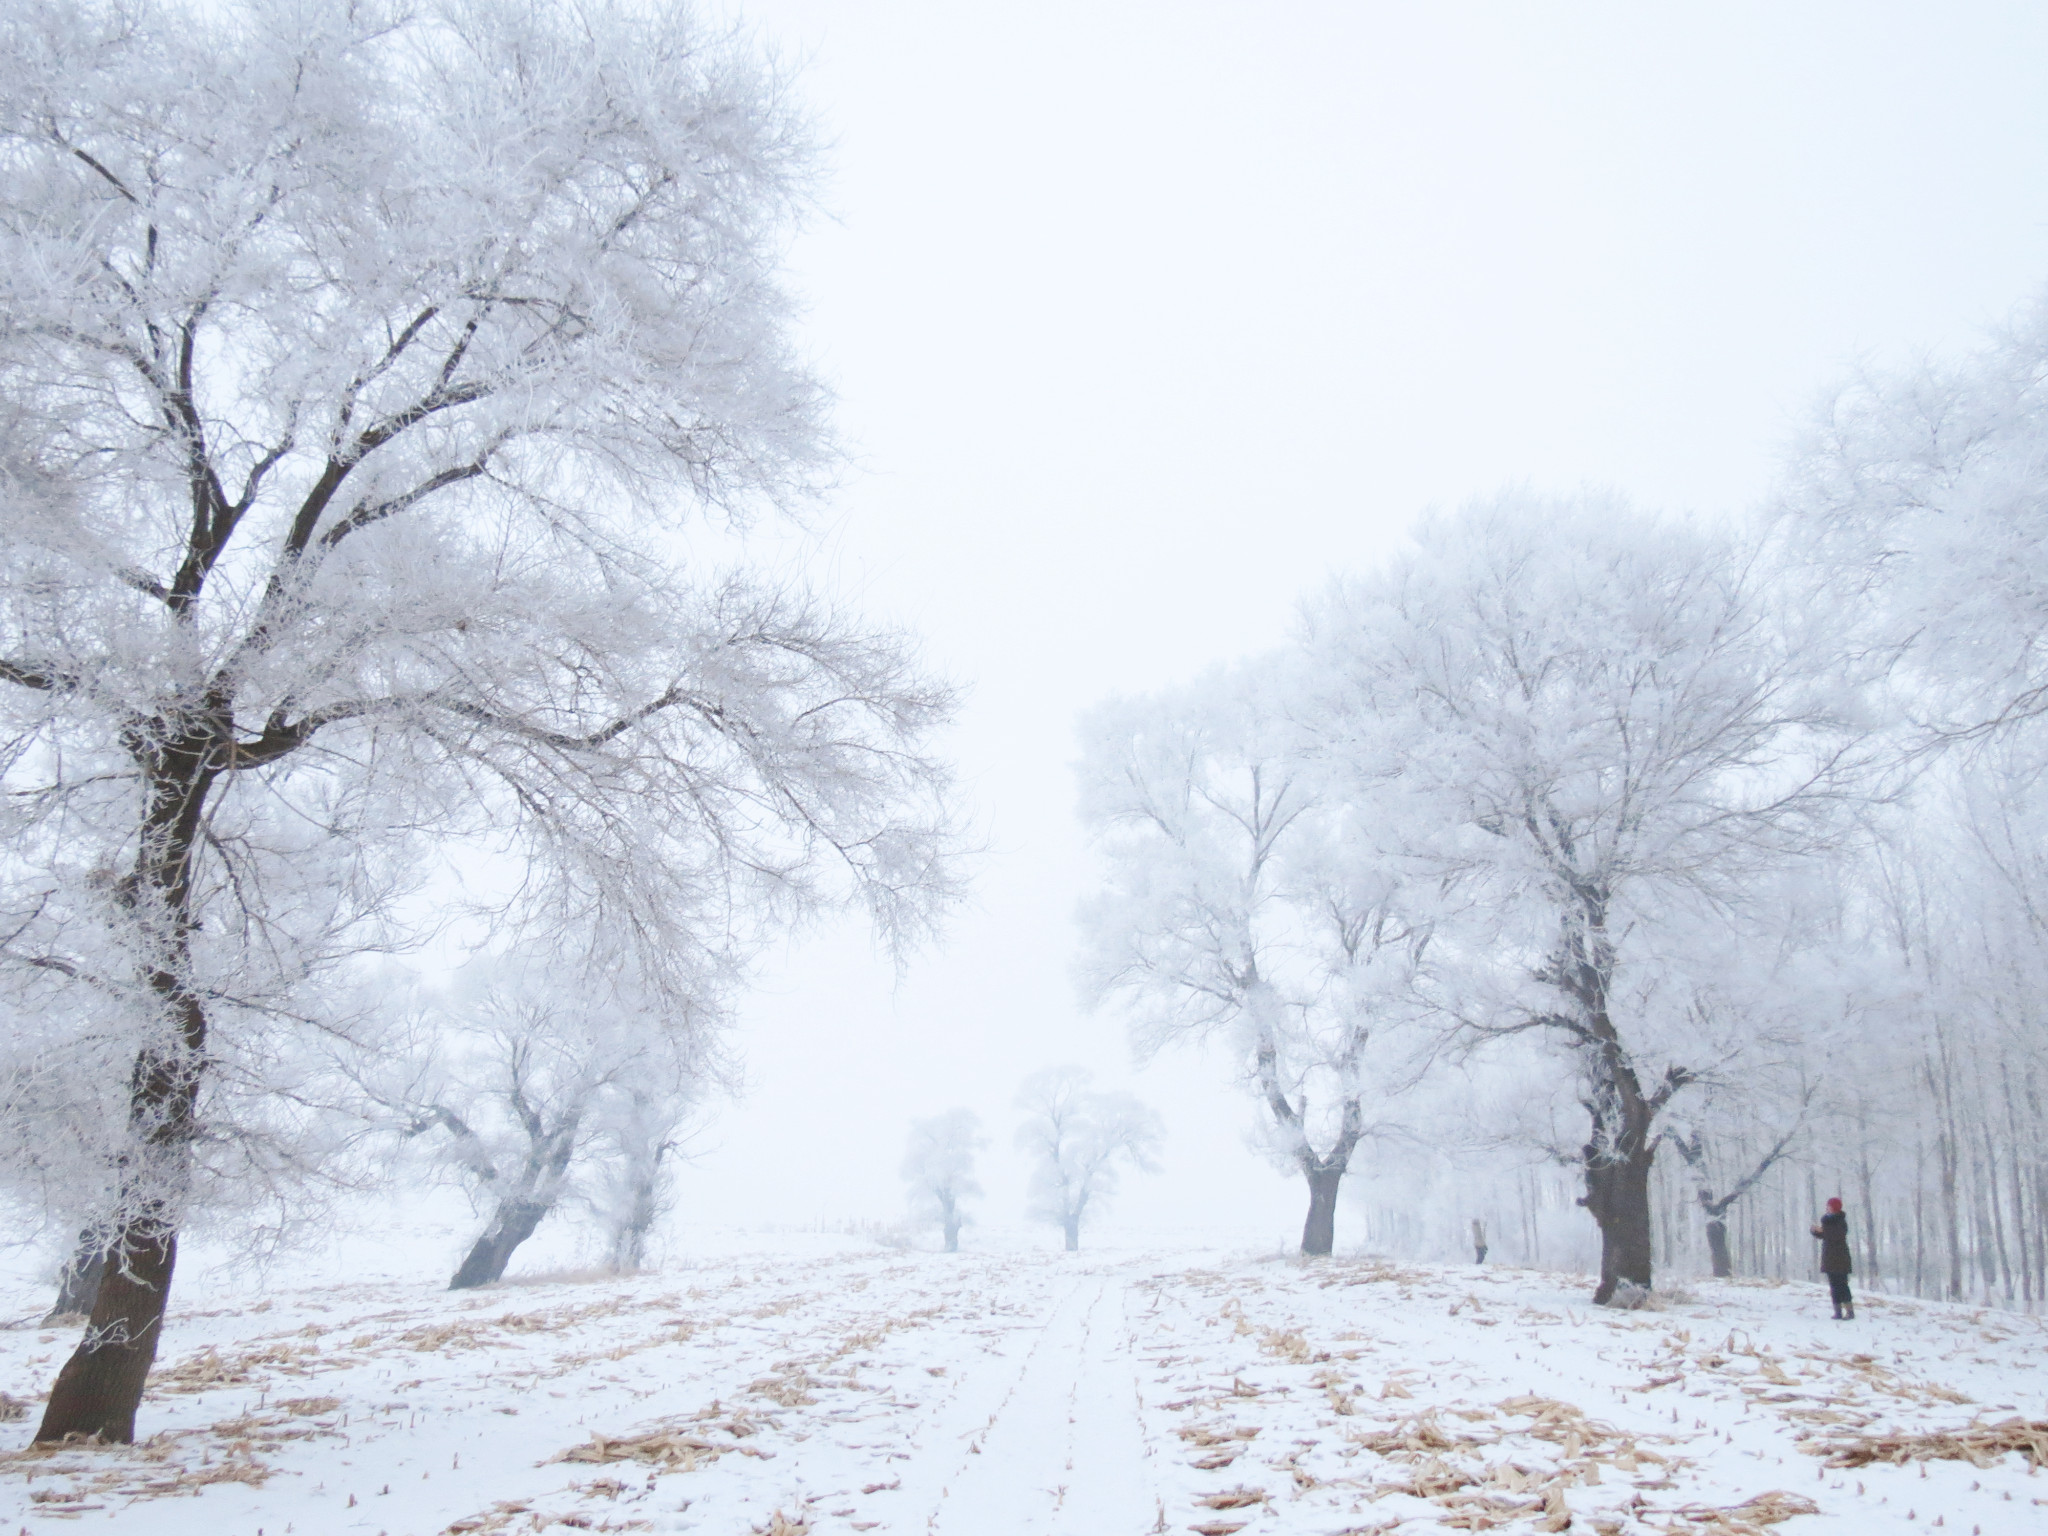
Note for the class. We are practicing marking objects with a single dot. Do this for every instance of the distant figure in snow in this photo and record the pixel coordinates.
(1478, 1240)
(1833, 1232)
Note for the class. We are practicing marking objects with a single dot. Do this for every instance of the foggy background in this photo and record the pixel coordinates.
(1144, 317)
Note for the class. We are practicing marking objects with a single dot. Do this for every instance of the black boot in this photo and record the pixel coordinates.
(1838, 1311)
(1849, 1312)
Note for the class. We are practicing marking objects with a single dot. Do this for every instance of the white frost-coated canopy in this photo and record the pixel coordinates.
(1242, 896)
(1078, 1139)
(938, 1165)
(361, 371)
(1612, 747)
(1919, 500)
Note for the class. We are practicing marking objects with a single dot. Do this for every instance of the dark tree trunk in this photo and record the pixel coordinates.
(99, 1388)
(78, 1283)
(511, 1224)
(1618, 1196)
(1071, 1225)
(1319, 1232)
(522, 1208)
(1618, 1157)
(1717, 1248)
(1324, 1171)
(1693, 1149)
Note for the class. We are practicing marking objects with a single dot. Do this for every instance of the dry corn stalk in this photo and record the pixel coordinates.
(236, 1469)
(1218, 1434)
(207, 1370)
(663, 1448)
(1749, 1518)
(1431, 1477)
(669, 1449)
(1483, 1511)
(1371, 1272)
(1979, 1444)
(1289, 1345)
(1566, 1426)
(1420, 1433)
(438, 1336)
(789, 1390)
(501, 1515)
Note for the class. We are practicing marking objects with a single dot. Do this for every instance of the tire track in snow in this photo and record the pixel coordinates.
(1063, 1453)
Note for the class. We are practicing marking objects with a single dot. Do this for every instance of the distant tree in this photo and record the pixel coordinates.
(1079, 1141)
(939, 1168)
(639, 1128)
(1609, 753)
(1736, 1130)
(1243, 900)
(359, 371)
(525, 1071)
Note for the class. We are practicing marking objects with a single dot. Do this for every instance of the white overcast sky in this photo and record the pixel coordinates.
(1145, 316)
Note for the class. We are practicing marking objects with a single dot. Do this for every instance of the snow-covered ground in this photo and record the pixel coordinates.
(826, 1384)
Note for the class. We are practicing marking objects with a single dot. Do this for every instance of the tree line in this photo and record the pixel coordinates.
(1701, 857)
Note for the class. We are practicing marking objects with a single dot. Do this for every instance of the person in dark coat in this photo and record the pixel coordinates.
(1833, 1232)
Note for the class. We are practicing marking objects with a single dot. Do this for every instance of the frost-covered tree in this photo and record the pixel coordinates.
(938, 1167)
(361, 368)
(1079, 1141)
(1916, 507)
(1244, 901)
(278, 1139)
(1612, 751)
(1718, 1193)
(1937, 1123)
(1918, 502)
(1740, 1126)
(640, 1132)
(525, 1068)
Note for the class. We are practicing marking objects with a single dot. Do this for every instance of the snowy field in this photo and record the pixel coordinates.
(827, 1384)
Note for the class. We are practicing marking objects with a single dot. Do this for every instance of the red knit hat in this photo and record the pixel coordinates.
(1834, 1202)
